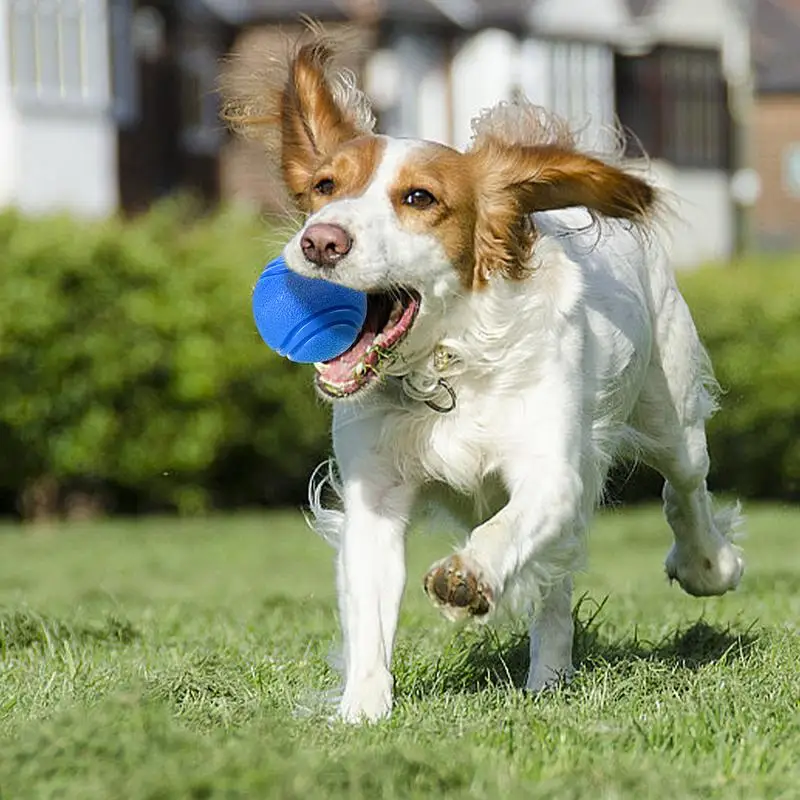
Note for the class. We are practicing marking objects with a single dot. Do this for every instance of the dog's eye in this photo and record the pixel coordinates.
(325, 186)
(419, 198)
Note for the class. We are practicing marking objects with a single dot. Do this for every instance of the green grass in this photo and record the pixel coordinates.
(168, 659)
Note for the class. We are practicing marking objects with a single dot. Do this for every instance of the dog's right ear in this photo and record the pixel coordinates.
(306, 118)
(313, 124)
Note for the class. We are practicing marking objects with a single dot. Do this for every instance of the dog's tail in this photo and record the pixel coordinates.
(326, 521)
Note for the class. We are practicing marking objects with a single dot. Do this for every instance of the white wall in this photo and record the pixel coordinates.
(58, 152)
(690, 22)
(485, 71)
(585, 20)
(8, 121)
(576, 81)
(433, 105)
(66, 163)
(700, 218)
(408, 85)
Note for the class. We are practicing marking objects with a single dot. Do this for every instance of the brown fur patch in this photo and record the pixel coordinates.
(517, 180)
(313, 126)
(565, 178)
(446, 174)
(351, 169)
(300, 107)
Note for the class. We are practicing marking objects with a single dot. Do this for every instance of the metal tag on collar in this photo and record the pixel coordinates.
(442, 358)
(443, 384)
(426, 395)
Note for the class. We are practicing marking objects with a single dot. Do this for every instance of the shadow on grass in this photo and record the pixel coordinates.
(687, 648)
(476, 659)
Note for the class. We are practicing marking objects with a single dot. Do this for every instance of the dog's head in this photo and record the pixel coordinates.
(416, 224)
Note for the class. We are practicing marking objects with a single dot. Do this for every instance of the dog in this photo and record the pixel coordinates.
(524, 329)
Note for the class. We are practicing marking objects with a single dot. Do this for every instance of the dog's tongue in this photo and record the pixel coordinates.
(342, 367)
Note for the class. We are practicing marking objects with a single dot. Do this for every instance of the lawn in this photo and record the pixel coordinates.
(169, 659)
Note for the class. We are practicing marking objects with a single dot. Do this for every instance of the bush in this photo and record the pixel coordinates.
(130, 369)
(748, 315)
(130, 363)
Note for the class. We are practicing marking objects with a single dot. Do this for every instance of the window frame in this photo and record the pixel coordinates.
(672, 104)
(198, 63)
(67, 39)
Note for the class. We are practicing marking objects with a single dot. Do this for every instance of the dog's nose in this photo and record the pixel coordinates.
(324, 244)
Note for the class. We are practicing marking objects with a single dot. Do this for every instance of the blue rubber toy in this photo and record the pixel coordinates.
(306, 319)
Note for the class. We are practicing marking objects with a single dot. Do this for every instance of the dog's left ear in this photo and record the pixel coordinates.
(548, 177)
(519, 180)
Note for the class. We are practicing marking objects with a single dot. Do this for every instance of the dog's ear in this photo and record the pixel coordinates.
(313, 123)
(300, 107)
(518, 180)
(548, 177)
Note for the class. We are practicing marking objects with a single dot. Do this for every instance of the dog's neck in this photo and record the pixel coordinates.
(431, 382)
(483, 341)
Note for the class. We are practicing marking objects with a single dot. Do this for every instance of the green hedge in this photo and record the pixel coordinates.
(130, 368)
(129, 364)
(748, 315)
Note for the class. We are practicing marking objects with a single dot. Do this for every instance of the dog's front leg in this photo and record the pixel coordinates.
(530, 548)
(534, 542)
(536, 536)
(370, 567)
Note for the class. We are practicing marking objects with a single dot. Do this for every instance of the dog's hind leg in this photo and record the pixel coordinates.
(702, 559)
(551, 639)
(673, 407)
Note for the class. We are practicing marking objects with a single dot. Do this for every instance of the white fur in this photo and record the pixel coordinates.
(593, 357)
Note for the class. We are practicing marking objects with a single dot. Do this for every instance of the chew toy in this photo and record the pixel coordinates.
(307, 320)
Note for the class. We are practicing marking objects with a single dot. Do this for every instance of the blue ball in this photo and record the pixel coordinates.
(306, 319)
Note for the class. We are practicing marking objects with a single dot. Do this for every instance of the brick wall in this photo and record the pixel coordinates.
(777, 213)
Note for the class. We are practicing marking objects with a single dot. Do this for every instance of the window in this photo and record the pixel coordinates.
(672, 104)
(124, 74)
(202, 132)
(575, 80)
(59, 52)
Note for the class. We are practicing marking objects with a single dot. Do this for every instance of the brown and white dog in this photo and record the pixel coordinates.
(523, 327)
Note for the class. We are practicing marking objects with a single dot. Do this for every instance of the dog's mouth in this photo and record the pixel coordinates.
(390, 317)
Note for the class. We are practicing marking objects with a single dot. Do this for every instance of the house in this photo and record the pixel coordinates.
(776, 128)
(108, 104)
(672, 72)
(57, 135)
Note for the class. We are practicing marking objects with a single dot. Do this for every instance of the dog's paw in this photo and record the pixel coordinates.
(457, 587)
(367, 700)
(545, 679)
(703, 575)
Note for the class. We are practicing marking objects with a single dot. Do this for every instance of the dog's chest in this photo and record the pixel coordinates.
(460, 447)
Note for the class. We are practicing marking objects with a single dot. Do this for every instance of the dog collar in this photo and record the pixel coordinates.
(431, 386)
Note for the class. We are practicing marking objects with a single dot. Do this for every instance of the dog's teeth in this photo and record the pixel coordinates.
(361, 368)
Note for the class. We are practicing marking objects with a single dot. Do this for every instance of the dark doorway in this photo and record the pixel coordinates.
(169, 135)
